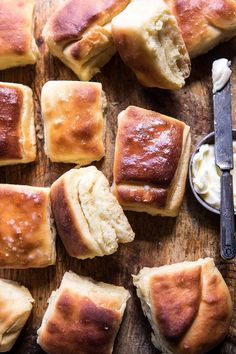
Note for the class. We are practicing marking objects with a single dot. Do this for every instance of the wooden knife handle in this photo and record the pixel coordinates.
(228, 248)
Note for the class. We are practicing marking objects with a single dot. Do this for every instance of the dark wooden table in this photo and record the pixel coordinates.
(194, 234)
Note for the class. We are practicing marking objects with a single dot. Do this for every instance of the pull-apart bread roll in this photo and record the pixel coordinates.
(187, 304)
(149, 41)
(17, 130)
(151, 162)
(17, 43)
(82, 317)
(16, 305)
(204, 23)
(79, 34)
(74, 125)
(27, 237)
(88, 218)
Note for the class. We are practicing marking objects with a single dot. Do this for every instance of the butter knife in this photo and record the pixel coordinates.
(224, 160)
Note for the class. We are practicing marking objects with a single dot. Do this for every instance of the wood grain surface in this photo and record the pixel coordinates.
(194, 234)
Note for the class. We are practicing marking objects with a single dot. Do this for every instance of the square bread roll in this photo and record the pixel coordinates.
(151, 162)
(187, 304)
(82, 317)
(204, 24)
(88, 217)
(79, 34)
(17, 130)
(27, 236)
(16, 305)
(74, 125)
(17, 43)
(149, 41)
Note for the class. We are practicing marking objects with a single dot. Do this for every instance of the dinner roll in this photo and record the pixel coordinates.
(74, 125)
(151, 162)
(79, 34)
(16, 305)
(204, 23)
(88, 218)
(150, 43)
(82, 317)
(187, 304)
(17, 131)
(27, 236)
(17, 43)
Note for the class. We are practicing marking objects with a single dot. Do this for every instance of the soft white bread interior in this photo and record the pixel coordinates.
(150, 43)
(88, 217)
(187, 304)
(98, 309)
(16, 305)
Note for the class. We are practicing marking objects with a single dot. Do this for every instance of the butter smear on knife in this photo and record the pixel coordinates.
(220, 73)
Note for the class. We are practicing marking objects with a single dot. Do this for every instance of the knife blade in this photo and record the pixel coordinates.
(224, 160)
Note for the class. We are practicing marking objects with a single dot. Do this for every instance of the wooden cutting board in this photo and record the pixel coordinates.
(194, 234)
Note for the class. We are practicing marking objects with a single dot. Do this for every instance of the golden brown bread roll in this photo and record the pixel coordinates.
(88, 218)
(151, 161)
(74, 125)
(17, 44)
(17, 130)
(79, 34)
(150, 43)
(204, 23)
(27, 237)
(16, 305)
(187, 304)
(82, 317)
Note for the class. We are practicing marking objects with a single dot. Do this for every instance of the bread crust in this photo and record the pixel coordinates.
(16, 305)
(75, 108)
(82, 321)
(188, 305)
(17, 136)
(151, 159)
(17, 44)
(149, 41)
(79, 34)
(204, 23)
(26, 230)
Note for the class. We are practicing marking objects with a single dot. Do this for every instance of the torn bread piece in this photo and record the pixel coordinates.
(88, 217)
(27, 234)
(79, 34)
(17, 43)
(74, 123)
(151, 162)
(16, 305)
(17, 130)
(83, 316)
(187, 304)
(149, 41)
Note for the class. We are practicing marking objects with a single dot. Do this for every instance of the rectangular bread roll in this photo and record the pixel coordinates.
(17, 43)
(204, 23)
(149, 41)
(188, 305)
(88, 217)
(74, 125)
(151, 162)
(83, 317)
(17, 130)
(79, 34)
(27, 236)
(16, 305)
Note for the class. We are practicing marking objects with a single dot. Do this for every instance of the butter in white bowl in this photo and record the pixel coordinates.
(206, 175)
